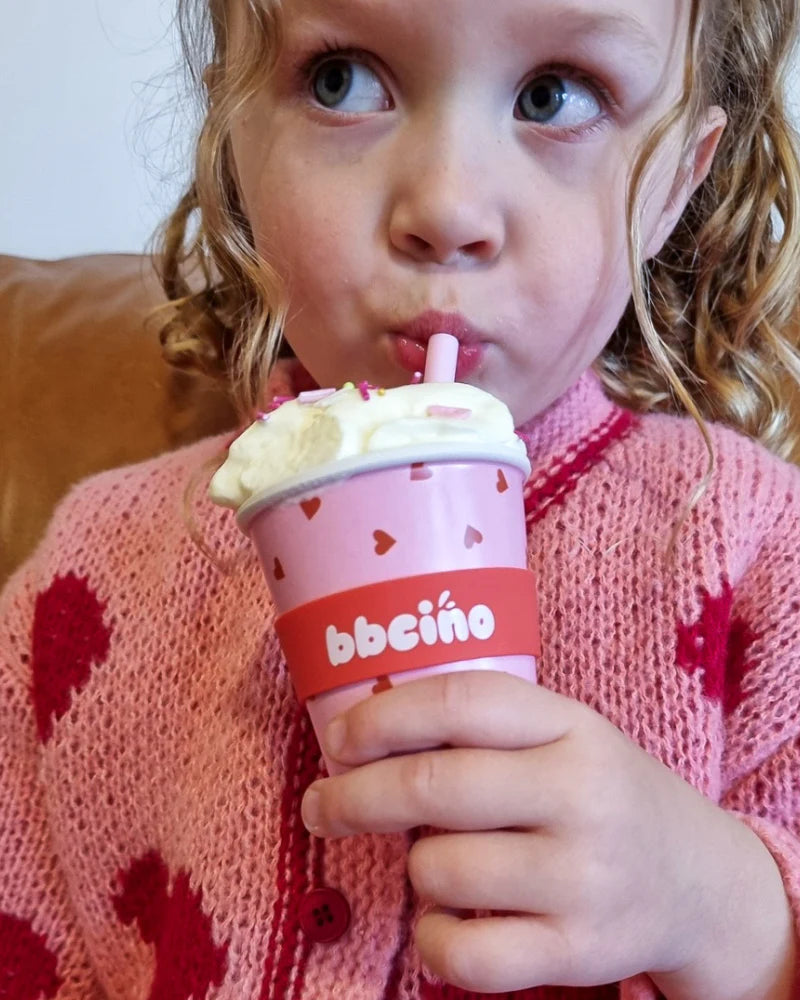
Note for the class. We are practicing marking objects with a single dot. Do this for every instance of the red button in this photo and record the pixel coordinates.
(324, 915)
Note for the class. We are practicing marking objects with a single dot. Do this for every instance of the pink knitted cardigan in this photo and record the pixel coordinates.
(152, 754)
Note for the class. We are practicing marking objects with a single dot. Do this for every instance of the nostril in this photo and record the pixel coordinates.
(443, 248)
(477, 249)
(417, 245)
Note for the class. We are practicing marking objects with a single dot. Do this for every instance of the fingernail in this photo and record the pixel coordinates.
(309, 810)
(335, 735)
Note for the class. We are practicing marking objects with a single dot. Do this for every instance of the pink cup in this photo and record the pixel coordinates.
(390, 566)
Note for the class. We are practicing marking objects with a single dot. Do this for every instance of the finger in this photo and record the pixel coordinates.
(504, 870)
(497, 954)
(475, 708)
(454, 789)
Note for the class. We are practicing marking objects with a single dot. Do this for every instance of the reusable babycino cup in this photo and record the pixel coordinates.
(384, 568)
(389, 566)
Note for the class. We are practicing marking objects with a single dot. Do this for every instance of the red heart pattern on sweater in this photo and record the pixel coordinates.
(716, 646)
(172, 920)
(70, 636)
(28, 968)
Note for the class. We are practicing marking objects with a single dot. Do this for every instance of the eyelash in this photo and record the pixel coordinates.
(308, 66)
(608, 104)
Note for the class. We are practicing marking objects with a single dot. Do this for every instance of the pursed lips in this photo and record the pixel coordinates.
(424, 326)
(411, 339)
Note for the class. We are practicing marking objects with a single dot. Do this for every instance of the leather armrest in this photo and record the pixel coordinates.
(83, 386)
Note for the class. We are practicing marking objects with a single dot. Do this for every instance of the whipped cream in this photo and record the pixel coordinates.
(327, 426)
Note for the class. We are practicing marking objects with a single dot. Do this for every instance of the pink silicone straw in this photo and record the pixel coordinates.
(440, 361)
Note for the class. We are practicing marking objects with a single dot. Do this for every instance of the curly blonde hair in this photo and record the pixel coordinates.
(712, 326)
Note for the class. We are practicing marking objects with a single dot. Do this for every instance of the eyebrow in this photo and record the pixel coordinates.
(584, 20)
(585, 23)
(611, 25)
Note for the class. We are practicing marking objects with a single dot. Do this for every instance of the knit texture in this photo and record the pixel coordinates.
(153, 756)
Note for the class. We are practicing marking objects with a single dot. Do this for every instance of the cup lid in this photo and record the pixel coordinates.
(374, 461)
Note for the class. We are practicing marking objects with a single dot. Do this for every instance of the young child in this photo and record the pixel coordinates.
(586, 194)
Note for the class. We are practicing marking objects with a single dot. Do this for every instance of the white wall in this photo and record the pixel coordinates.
(81, 169)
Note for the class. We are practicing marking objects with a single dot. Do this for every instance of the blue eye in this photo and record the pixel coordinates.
(551, 100)
(345, 85)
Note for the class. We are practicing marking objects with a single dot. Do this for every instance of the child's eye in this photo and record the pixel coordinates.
(552, 100)
(349, 86)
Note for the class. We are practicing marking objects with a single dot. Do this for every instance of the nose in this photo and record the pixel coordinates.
(448, 204)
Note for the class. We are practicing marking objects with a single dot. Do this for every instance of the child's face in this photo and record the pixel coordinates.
(418, 157)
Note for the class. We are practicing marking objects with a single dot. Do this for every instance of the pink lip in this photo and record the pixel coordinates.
(411, 339)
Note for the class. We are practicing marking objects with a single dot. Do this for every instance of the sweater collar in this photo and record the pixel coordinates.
(579, 414)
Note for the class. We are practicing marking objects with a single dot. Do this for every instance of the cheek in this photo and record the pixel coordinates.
(289, 224)
(579, 253)
(288, 210)
(310, 234)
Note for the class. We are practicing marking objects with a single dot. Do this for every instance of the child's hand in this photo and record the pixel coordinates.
(601, 861)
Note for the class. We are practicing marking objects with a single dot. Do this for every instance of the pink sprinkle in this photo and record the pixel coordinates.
(417, 378)
(456, 412)
(314, 395)
(363, 388)
(261, 415)
(278, 401)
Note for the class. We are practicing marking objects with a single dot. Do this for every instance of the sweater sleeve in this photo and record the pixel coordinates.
(42, 954)
(761, 766)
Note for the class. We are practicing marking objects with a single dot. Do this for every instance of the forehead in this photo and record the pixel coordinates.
(645, 24)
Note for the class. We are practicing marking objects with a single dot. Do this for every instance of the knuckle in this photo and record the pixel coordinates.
(458, 695)
(333, 811)
(596, 815)
(564, 954)
(361, 725)
(587, 803)
(421, 778)
(341, 806)
(586, 887)
(347, 804)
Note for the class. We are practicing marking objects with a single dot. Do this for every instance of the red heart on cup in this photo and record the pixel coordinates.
(277, 569)
(310, 507)
(502, 482)
(472, 537)
(383, 542)
(419, 471)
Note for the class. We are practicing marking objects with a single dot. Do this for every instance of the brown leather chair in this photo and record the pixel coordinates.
(83, 386)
